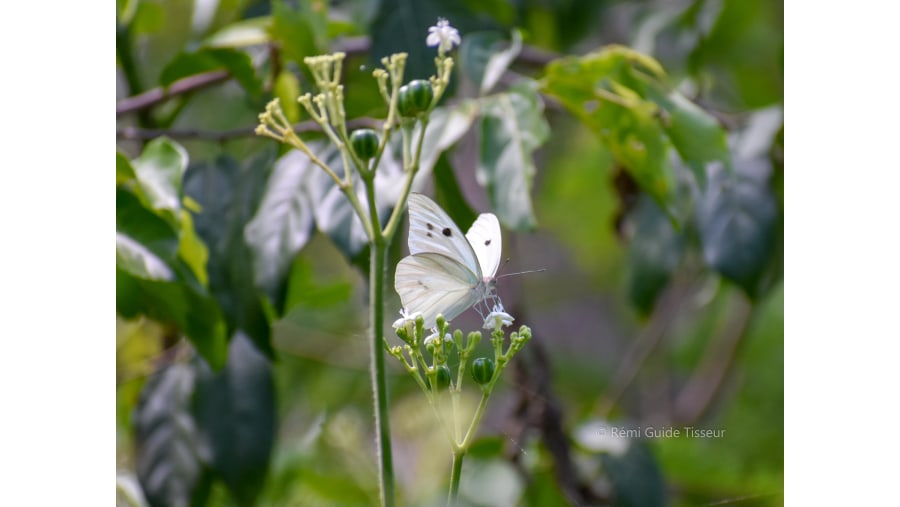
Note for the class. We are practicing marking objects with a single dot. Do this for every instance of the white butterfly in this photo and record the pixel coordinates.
(447, 272)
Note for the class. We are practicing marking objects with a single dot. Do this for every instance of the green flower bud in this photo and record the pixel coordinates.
(442, 376)
(483, 370)
(414, 98)
(364, 142)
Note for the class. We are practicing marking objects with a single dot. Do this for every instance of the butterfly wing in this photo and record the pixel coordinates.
(485, 238)
(431, 230)
(432, 283)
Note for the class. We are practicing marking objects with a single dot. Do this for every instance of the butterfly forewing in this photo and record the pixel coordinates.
(485, 239)
(432, 283)
(431, 230)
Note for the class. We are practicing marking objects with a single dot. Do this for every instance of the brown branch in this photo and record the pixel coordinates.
(708, 378)
(651, 335)
(139, 134)
(538, 408)
(157, 95)
(350, 45)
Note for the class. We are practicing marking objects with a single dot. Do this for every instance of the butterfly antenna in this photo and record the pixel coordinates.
(523, 272)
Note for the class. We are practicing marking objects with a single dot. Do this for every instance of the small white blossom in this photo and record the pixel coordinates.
(433, 338)
(498, 318)
(443, 36)
(406, 319)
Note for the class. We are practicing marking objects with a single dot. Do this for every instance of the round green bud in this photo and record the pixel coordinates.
(442, 376)
(414, 97)
(364, 142)
(483, 370)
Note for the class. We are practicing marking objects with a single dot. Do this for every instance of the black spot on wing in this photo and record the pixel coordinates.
(446, 232)
(429, 234)
(487, 242)
(430, 227)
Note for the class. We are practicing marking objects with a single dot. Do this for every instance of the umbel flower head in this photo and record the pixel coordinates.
(443, 36)
(498, 318)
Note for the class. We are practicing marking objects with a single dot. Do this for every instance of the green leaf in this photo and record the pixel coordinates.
(446, 126)
(192, 250)
(182, 303)
(143, 226)
(159, 171)
(653, 254)
(236, 62)
(140, 261)
(301, 32)
(229, 194)
(607, 91)
(241, 34)
(512, 127)
(282, 225)
(695, 134)
(736, 217)
(124, 171)
(742, 55)
(483, 62)
(235, 413)
(636, 478)
(166, 456)
(287, 89)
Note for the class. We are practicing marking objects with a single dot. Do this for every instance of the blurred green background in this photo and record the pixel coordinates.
(658, 310)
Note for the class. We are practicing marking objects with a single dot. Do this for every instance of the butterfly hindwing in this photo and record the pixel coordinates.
(432, 283)
(485, 238)
(431, 230)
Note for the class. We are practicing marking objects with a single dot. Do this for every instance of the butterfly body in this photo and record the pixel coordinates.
(446, 272)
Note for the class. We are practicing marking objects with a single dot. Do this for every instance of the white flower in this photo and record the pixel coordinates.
(498, 318)
(406, 319)
(433, 338)
(443, 35)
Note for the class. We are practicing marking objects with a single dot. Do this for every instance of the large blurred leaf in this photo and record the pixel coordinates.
(124, 171)
(140, 261)
(236, 62)
(622, 97)
(636, 478)
(159, 171)
(229, 194)
(446, 126)
(192, 250)
(300, 31)
(600, 89)
(333, 214)
(742, 56)
(736, 217)
(167, 460)
(653, 253)
(160, 264)
(144, 226)
(179, 302)
(483, 62)
(235, 413)
(512, 127)
(697, 136)
(244, 33)
(282, 224)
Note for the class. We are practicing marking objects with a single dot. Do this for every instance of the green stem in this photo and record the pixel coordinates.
(454, 477)
(476, 419)
(379, 383)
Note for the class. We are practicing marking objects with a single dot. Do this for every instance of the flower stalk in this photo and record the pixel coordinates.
(326, 108)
